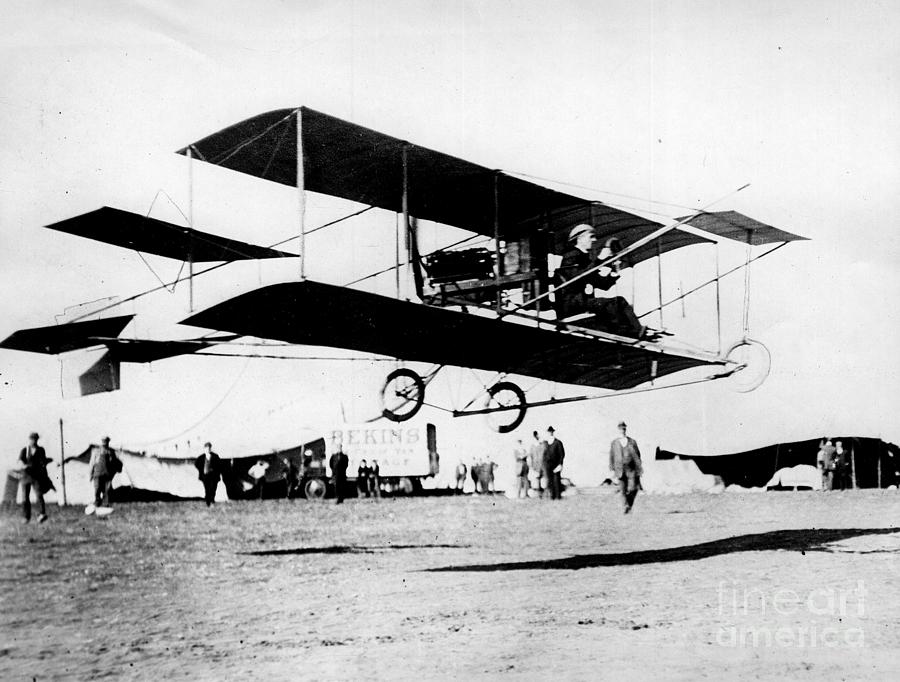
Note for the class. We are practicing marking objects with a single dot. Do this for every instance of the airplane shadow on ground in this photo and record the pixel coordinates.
(800, 540)
(345, 549)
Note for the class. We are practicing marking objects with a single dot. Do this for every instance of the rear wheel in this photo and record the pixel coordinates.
(402, 395)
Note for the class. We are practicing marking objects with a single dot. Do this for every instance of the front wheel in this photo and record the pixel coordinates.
(751, 362)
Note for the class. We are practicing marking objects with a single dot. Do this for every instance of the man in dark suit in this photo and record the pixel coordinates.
(625, 463)
(339, 463)
(553, 463)
(34, 475)
(209, 471)
(841, 465)
(612, 314)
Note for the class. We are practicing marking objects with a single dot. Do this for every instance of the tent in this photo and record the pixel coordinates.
(874, 463)
(143, 478)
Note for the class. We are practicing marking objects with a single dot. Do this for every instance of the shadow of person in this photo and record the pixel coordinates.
(801, 540)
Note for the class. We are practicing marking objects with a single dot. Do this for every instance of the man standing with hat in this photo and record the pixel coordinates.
(614, 314)
(553, 463)
(536, 462)
(103, 466)
(34, 476)
(625, 463)
(338, 462)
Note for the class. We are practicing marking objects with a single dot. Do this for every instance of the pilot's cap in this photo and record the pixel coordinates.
(580, 229)
(623, 425)
(33, 435)
(105, 440)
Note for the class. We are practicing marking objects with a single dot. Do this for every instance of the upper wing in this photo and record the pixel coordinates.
(346, 160)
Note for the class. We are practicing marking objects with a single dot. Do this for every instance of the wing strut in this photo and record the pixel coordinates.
(190, 262)
(714, 280)
(301, 194)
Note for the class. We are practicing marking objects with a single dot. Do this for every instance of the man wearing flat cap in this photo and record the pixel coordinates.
(33, 461)
(103, 466)
(612, 314)
(625, 463)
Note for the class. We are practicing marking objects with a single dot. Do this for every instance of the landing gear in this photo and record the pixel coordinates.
(751, 361)
(505, 394)
(402, 395)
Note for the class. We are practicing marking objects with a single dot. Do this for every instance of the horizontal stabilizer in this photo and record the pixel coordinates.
(60, 338)
(149, 235)
(145, 350)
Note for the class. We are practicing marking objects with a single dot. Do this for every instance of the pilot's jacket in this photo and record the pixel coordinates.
(574, 298)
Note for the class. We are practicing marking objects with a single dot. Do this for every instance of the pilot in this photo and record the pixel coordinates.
(612, 314)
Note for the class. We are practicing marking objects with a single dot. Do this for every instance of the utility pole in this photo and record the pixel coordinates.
(62, 465)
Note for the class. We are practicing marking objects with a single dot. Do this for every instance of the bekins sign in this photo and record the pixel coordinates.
(399, 450)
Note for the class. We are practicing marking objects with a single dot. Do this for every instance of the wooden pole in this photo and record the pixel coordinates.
(301, 194)
(878, 469)
(853, 464)
(62, 465)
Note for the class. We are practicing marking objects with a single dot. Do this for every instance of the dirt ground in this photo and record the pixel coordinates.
(732, 586)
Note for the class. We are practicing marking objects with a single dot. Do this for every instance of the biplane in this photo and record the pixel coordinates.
(495, 309)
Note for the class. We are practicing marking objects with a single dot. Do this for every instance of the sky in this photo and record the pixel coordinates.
(658, 107)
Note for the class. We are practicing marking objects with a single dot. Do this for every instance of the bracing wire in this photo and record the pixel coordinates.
(206, 270)
(206, 416)
(604, 191)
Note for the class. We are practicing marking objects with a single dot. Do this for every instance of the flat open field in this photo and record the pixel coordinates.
(752, 586)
